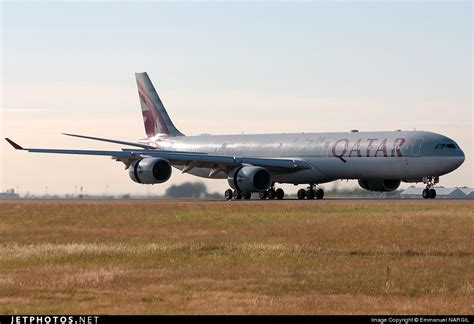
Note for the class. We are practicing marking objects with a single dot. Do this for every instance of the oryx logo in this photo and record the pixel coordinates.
(152, 119)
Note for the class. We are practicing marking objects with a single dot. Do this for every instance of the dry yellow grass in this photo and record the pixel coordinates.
(293, 257)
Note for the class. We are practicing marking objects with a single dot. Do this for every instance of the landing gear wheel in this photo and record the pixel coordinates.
(310, 193)
(247, 195)
(301, 194)
(228, 194)
(426, 193)
(319, 194)
(263, 195)
(271, 193)
(279, 193)
(429, 192)
(237, 195)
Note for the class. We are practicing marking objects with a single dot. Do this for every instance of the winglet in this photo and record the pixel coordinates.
(15, 145)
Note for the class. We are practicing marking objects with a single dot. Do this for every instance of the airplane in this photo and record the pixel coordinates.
(254, 163)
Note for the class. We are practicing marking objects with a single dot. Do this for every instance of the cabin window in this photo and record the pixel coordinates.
(442, 146)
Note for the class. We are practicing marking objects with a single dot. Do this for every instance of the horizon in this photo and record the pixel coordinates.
(286, 67)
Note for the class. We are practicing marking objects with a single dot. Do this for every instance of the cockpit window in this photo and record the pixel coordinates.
(442, 146)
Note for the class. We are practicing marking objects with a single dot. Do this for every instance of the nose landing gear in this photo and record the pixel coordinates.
(429, 192)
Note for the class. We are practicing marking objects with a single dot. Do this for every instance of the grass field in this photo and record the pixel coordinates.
(256, 257)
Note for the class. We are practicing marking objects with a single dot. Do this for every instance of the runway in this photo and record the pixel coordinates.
(237, 257)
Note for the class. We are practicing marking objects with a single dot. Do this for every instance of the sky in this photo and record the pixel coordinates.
(224, 68)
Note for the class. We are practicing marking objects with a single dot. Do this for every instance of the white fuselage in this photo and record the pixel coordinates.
(402, 155)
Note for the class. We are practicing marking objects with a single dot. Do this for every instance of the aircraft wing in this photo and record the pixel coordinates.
(189, 159)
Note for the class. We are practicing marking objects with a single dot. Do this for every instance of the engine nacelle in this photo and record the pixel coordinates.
(150, 170)
(249, 178)
(379, 184)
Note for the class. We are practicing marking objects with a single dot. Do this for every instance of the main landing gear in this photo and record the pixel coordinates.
(272, 193)
(310, 193)
(429, 192)
(237, 195)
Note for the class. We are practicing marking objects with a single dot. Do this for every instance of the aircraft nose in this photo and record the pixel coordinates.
(457, 159)
(462, 157)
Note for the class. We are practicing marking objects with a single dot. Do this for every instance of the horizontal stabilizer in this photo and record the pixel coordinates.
(144, 146)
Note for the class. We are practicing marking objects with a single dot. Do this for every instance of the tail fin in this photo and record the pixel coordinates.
(155, 117)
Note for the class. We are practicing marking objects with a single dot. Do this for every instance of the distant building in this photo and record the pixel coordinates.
(469, 192)
(9, 194)
(441, 193)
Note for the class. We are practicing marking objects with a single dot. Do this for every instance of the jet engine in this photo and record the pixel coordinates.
(379, 184)
(150, 170)
(249, 179)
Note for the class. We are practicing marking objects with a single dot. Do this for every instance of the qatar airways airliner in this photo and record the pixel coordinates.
(380, 161)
